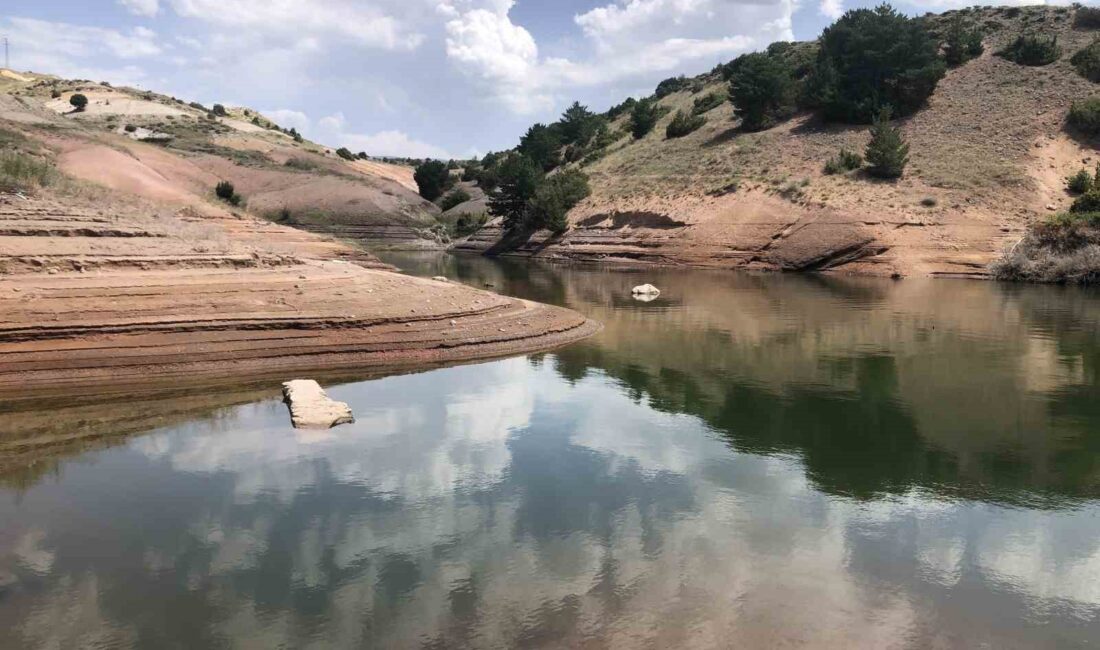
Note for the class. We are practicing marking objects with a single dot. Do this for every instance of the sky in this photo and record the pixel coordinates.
(417, 78)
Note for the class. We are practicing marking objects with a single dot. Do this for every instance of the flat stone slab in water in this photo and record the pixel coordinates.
(311, 408)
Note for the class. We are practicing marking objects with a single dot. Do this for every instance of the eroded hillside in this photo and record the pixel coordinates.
(989, 155)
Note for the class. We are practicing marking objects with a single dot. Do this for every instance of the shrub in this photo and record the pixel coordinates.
(578, 124)
(1065, 248)
(887, 153)
(78, 102)
(871, 58)
(130, 128)
(707, 103)
(672, 85)
(929, 202)
(22, 172)
(1032, 49)
(1087, 17)
(456, 197)
(1087, 202)
(683, 124)
(643, 117)
(345, 153)
(301, 164)
(197, 106)
(55, 93)
(224, 190)
(219, 110)
(1087, 61)
(1084, 115)
(468, 224)
(626, 106)
(762, 90)
(962, 42)
(555, 197)
(432, 179)
(1080, 182)
(844, 161)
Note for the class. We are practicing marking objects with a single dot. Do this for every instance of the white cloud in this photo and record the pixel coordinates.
(147, 8)
(628, 40)
(831, 8)
(80, 52)
(332, 130)
(369, 25)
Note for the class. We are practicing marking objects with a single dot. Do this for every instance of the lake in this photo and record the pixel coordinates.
(746, 461)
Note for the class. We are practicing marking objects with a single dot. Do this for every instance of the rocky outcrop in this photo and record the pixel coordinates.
(311, 408)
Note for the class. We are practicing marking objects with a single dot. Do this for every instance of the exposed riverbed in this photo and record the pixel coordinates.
(749, 460)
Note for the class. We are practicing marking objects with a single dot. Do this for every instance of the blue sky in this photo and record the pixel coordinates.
(405, 77)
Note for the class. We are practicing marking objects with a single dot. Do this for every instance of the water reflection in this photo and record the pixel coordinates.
(772, 460)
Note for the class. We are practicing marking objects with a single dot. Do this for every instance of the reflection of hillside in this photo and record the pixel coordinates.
(967, 388)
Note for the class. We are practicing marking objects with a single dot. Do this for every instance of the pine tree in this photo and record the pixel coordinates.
(887, 153)
(519, 180)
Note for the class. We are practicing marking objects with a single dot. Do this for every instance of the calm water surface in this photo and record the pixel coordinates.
(748, 461)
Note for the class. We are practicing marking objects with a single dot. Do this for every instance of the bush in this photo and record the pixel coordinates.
(22, 172)
(345, 153)
(577, 125)
(643, 117)
(626, 106)
(887, 153)
(55, 93)
(1087, 61)
(962, 42)
(555, 197)
(541, 144)
(1080, 182)
(457, 197)
(301, 164)
(1087, 17)
(672, 85)
(224, 190)
(683, 124)
(1032, 49)
(130, 128)
(78, 102)
(762, 90)
(871, 58)
(468, 224)
(844, 161)
(1084, 115)
(432, 179)
(219, 110)
(707, 103)
(1065, 248)
(197, 106)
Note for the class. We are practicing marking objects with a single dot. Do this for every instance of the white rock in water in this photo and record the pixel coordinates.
(645, 290)
(311, 408)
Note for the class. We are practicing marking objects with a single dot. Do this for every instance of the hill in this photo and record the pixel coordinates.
(122, 269)
(989, 152)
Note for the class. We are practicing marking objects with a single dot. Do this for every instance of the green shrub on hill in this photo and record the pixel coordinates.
(1087, 61)
(225, 191)
(22, 172)
(643, 117)
(78, 102)
(844, 161)
(962, 42)
(432, 179)
(707, 103)
(1084, 115)
(1086, 17)
(762, 90)
(683, 124)
(345, 153)
(672, 85)
(468, 224)
(871, 58)
(1032, 50)
(554, 198)
(887, 153)
(1080, 182)
(455, 198)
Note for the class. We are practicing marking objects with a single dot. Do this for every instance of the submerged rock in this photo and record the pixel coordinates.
(645, 292)
(311, 408)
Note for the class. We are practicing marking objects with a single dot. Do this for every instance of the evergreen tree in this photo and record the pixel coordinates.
(887, 153)
(872, 58)
(432, 179)
(643, 117)
(962, 42)
(578, 124)
(555, 197)
(762, 90)
(519, 180)
(541, 144)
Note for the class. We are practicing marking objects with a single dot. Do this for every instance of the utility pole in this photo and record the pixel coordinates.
(7, 62)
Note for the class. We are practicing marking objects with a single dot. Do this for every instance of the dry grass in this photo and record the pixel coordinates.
(23, 172)
(1064, 249)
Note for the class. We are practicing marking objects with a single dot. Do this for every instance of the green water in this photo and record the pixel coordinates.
(747, 461)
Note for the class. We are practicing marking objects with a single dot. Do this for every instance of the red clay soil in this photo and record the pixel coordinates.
(93, 302)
